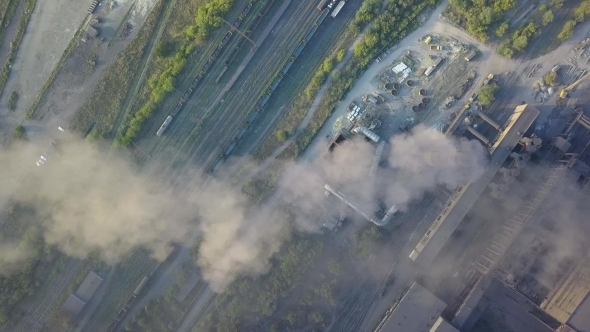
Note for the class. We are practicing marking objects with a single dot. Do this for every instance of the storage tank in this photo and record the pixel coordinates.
(410, 83)
(422, 92)
(388, 86)
(396, 86)
(394, 92)
(415, 108)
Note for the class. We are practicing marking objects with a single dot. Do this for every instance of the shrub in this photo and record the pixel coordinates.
(550, 79)
(487, 94)
(12, 100)
(567, 30)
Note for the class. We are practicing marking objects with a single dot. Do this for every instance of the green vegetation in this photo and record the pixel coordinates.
(367, 241)
(479, 17)
(502, 29)
(567, 30)
(518, 41)
(209, 16)
(399, 19)
(581, 14)
(547, 17)
(320, 77)
(487, 94)
(7, 10)
(22, 250)
(14, 45)
(368, 12)
(100, 110)
(19, 133)
(550, 79)
(164, 313)
(340, 55)
(12, 100)
(282, 135)
(251, 300)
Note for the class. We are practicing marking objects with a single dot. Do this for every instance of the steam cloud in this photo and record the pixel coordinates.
(112, 208)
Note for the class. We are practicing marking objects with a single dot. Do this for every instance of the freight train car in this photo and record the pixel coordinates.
(322, 4)
(164, 125)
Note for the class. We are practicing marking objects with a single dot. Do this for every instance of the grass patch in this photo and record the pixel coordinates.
(100, 110)
(14, 45)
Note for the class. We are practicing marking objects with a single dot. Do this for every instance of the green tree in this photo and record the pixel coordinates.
(567, 30)
(582, 12)
(341, 54)
(487, 94)
(164, 49)
(556, 4)
(550, 78)
(520, 43)
(19, 133)
(547, 17)
(282, 135)
(502, 29)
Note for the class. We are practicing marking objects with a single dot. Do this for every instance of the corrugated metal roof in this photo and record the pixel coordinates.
(73, 305)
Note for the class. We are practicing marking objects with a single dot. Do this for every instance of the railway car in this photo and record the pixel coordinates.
(337, 9)
(322, 4)
(252, 117)
(141, 285)
(240, 134)
(164, 126)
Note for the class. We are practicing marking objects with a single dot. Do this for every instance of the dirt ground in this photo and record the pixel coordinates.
(52, 26)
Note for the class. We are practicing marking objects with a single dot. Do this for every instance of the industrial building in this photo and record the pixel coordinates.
(76, 301)
(465, 196)
(418, 311)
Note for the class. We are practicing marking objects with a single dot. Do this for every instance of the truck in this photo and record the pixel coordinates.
(436, 47)
(488, 79)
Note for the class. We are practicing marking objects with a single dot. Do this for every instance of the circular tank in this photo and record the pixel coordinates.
(394, 92)
(388, 86)
(396, 86)
(410, 83)
(422, 92)
(415, 109)
(421, 106)
(424, 100)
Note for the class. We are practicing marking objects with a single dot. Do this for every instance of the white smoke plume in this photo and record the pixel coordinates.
(112, 208)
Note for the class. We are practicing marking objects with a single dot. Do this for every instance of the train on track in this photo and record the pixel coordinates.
(325, 6)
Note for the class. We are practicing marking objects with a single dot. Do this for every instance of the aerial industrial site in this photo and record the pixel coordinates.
(282, 165)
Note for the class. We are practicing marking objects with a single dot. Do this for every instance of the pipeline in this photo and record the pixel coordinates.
(380, 222)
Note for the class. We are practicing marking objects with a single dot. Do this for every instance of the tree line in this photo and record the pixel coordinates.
(208, 17)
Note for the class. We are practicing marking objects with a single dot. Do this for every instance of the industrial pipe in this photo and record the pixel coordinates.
(381, 222)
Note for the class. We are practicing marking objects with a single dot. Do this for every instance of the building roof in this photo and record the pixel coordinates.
(417, 311)
(73, 305)
(442, 325)
(564, 300)
(88, 286)
(466, 195)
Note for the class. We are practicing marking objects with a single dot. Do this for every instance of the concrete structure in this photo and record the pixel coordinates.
(73, 305)
(88, 286)
(563, 301)
(465, 196)
(417, 311)
(76, 302)
(442, 325)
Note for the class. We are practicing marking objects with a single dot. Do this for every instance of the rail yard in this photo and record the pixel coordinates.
(445, 191)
